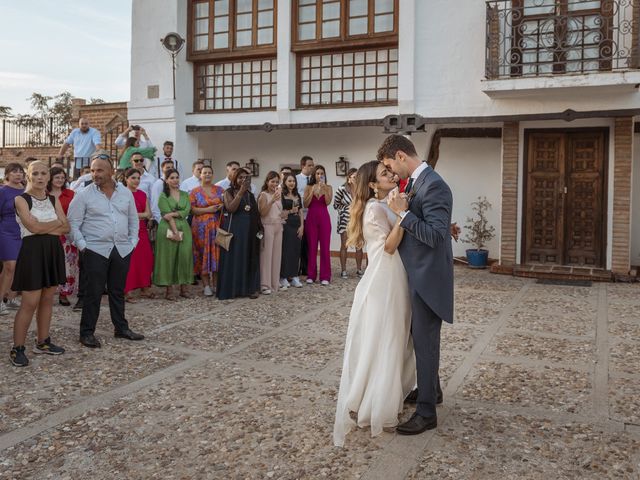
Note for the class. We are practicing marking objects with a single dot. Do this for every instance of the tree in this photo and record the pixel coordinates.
(51, 120)
(5, 112)
(96, 101)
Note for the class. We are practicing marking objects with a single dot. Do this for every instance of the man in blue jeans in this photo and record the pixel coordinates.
(104, 227)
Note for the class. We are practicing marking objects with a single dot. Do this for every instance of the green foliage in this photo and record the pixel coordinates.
(96, 101)
(5, 112)
(51, 120)
(479, 232)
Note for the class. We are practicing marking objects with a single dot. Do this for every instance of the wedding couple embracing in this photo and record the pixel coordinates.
(393, 339)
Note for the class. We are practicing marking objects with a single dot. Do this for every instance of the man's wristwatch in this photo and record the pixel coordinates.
(403, 214)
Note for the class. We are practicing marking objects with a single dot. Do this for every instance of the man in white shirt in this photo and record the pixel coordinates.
(138, 132)
(156, 190)
(225, 183)
(104, 227)
(155, 169)
(83, 180)
(146, 179)
(306, 169)
(193, 181)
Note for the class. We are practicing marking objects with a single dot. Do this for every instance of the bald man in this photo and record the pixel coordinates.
(104, 227)
(85, 140)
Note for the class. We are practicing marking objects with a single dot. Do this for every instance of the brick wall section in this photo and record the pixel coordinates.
(509, 220)
(623, 158)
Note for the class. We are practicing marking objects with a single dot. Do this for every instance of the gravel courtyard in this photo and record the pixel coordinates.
(542, 382)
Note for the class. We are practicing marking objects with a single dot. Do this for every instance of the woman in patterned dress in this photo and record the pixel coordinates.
(342, 203)
(206, 205)
(57, 187)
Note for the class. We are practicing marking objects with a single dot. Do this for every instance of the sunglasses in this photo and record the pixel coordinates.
(138, 160)
(102, 156)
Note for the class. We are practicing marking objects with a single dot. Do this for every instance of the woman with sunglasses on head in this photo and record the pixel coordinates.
(10, 240)
(174, 253)
(317, 196)
(239, 272)
(40, 266)
(141, 264)
(57, 187)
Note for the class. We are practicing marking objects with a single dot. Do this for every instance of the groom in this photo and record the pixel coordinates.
(425, 209)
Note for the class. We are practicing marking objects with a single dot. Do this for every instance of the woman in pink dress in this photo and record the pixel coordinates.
(317, 226)
(141, 266)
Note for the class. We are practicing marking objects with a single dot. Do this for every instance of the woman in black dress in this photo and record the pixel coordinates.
(292, 233)
(40, 266)
(239, 271)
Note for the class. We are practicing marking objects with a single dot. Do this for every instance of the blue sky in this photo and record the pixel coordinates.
(51, 46)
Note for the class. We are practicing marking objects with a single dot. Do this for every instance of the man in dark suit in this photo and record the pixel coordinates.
(425, 208)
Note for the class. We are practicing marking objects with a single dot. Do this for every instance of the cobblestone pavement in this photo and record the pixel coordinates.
(542, 382)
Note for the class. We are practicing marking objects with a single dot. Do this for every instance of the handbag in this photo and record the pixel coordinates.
(223, 237)
(171, 236)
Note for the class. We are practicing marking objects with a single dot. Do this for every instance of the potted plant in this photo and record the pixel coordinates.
(479, 232)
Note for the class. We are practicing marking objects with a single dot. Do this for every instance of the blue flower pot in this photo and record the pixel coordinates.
(477, 258)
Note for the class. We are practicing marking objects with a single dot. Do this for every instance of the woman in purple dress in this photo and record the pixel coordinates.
(9, 234)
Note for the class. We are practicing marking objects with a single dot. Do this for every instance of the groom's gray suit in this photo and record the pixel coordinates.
(428, 259)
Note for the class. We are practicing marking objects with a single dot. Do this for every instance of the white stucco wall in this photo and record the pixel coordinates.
(472, 168)
(635, 208)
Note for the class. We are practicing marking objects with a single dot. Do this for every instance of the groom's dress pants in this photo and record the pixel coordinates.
(425, 329)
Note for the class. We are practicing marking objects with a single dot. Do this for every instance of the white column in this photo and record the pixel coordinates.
(285, 100)
(406, 56)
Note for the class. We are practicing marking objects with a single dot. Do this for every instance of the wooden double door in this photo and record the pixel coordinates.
(565, 197)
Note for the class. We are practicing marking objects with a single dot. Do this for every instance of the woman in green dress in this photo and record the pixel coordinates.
(174, 253)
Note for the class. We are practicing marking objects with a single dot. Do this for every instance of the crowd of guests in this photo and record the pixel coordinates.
(125, 229)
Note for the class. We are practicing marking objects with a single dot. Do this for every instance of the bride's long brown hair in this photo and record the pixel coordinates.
(362, 193)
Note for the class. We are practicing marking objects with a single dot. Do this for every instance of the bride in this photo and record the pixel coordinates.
(378, 369)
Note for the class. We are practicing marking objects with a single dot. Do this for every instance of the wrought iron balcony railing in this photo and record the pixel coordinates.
(530, 38)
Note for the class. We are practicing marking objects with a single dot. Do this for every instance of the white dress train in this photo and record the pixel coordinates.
(379, 368)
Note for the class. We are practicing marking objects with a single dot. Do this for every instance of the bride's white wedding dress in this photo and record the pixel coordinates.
(379, 368)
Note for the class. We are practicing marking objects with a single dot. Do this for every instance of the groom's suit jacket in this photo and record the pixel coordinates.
(426, 247)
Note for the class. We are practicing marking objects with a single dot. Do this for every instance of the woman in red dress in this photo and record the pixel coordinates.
(141, 265)
(57, 187)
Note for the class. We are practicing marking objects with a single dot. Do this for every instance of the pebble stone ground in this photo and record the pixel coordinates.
(541, 382)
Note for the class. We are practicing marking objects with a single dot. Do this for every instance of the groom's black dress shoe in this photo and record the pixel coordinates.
(412, 398)
(417, 424)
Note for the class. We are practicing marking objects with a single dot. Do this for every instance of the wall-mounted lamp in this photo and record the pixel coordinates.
(342, 167)
(173, 43)
(253, 167)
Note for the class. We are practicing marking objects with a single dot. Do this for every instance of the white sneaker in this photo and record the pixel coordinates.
(3, 308)
(344, 275)
(208, 292)
(266, 291)
(295, 282)
(309, 281)
(13, 304)
(284, 283)
(324, 283)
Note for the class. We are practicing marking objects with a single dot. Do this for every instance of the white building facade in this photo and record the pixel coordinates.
(531, 103)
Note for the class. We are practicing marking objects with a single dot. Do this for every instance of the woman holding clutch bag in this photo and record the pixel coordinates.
(174, 254)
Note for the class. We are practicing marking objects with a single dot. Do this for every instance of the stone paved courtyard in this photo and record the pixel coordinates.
(540, 382)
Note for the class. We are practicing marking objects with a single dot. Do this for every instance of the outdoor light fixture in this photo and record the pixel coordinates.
(342, 167)
(253, 167)
(173, 42)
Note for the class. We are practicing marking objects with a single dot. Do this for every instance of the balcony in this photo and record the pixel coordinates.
(541, 44)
